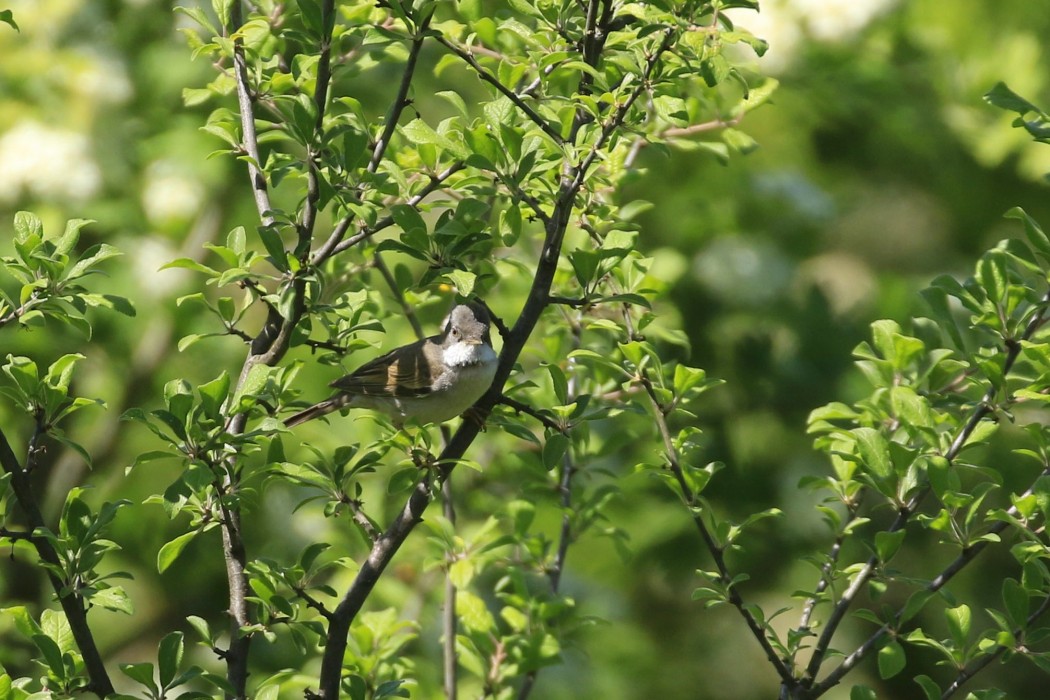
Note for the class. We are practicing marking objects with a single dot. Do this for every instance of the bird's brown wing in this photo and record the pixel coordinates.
(401, 372)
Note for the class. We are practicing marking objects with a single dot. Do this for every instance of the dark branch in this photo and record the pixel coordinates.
(543, 418)
(71, 601)
(393, 115)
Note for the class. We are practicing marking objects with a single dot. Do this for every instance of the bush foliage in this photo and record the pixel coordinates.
(400, 157)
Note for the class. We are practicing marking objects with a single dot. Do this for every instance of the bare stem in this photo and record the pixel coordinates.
(566, 535)
(448, 615)
(246, 105)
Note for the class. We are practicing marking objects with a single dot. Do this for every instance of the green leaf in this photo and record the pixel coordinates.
(891, 660)
(1015, 598)
(873, 451)
(461, 573)
(554, 449)
(862, 692)
(1004, 98)
(93, 256)
(403, 479)
(409, 220)
(51, 653)
(172, 549)
(473, 613)
(32, 319)
(992, 275)
(929, 688)
(8, 18)
(68, 240)
(915, 603)
(1032, 230)
(391, 689)
(463, 281)
(60, 373)
(113, 598)
(190, 264)
(113, 302)
(958, 619)
(271, 240)
(887, 544)
(418, 131)
(200, 625)
(27, 227)
(213, 394)
(169, 657)
(141, 673)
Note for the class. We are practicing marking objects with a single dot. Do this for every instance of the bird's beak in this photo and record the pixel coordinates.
(474, 341)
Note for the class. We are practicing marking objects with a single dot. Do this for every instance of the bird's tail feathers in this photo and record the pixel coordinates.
(318, 409)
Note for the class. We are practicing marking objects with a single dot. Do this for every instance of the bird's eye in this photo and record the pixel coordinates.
(455, 331)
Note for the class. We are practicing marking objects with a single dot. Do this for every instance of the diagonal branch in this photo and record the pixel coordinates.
(511, 95)
(717, 551)
(393, 115)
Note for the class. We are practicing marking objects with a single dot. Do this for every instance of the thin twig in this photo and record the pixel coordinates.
(565, 535)
(409, 311)
(16, 535)
(393, 115)
(973, 669)
(967, 555)
(717, 552)
(359, 516)
(543, 418)
(494, 318)
(510, 94)
(448, 615)
(336, 243)
(312, 602)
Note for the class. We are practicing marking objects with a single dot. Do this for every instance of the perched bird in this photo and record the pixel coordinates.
(430, 381)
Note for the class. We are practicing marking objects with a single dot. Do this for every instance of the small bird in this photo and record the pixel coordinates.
(430, 380)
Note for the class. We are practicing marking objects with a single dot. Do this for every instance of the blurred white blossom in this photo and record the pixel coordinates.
(99, 77)
(780, 28)
(784, 24)
(149, 255)
(169, 195)
(47, 163)
(834, 20)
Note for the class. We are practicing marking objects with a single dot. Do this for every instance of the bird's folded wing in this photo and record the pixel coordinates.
(402, 372)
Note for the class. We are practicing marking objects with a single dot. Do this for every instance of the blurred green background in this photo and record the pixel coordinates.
(879, 167)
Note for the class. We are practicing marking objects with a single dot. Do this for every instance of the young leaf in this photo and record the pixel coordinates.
(891, 659)
(172, 549)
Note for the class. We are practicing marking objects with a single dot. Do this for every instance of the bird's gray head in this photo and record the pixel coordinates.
(468, 323)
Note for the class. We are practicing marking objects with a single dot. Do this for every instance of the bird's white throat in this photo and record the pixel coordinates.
(465, 354)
